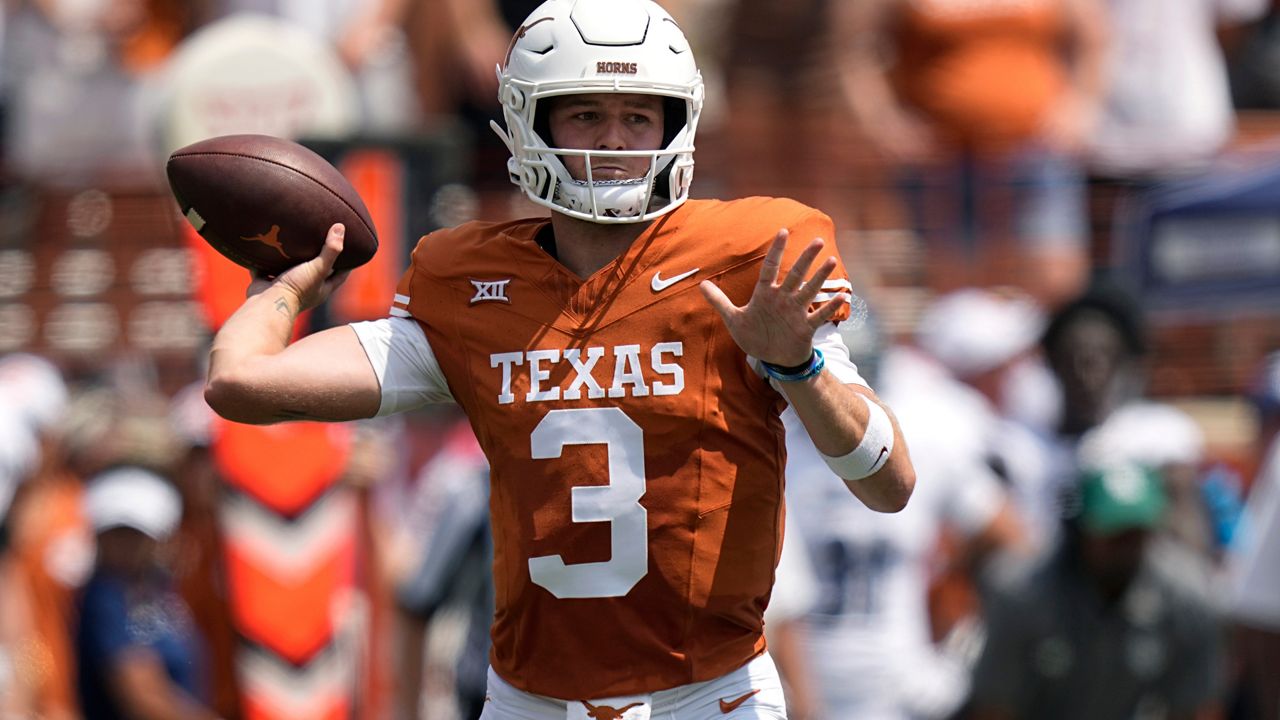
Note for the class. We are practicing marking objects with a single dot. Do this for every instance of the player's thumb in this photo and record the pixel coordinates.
(716, 297)
(333, 245)
(307, 280)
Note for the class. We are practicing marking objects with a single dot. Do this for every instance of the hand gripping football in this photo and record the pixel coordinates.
(267, 203)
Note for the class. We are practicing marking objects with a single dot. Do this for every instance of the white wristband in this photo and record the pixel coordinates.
(873, 450)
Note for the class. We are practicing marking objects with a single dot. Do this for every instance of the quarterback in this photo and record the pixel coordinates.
(623, 363)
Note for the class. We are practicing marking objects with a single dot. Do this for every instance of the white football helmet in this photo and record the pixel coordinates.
(569, 47)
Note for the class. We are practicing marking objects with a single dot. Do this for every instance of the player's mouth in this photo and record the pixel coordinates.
(616, 172)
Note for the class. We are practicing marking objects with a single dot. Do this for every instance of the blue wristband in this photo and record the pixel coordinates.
(781, 374)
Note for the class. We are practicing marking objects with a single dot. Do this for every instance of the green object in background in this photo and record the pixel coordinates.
(1121, 497)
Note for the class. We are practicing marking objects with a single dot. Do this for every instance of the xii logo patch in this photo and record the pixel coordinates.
(490, 290)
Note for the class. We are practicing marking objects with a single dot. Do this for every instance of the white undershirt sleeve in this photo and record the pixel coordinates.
(407, 369)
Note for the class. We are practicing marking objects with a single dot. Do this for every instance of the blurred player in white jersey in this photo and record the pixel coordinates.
(868, 637)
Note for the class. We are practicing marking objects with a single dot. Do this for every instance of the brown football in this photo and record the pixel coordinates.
(267, 203)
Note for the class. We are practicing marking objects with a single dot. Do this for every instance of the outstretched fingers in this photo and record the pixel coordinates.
(809, 291)
(772, 264)
(794, 280)
(827, 311)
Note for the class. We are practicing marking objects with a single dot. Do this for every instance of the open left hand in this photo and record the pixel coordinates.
(776, 325)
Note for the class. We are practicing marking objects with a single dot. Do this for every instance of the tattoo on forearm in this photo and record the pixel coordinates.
(282, 307)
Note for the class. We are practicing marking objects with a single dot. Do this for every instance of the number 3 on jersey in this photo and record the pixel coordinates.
(618, 503)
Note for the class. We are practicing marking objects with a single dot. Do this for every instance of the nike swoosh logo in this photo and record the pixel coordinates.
(883, 450)
(659, 284)
(730, 706)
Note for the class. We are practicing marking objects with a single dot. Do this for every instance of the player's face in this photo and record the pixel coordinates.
(607, 121)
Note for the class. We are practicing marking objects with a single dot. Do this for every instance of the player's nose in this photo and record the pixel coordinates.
(613, 135)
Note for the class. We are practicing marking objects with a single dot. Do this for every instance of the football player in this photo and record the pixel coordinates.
(623, 363)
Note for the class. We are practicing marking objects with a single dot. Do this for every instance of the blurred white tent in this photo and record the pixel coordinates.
(256, 74)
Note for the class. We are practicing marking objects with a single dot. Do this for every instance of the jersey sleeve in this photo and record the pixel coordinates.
(803, 224)
(407, 369)
(814, 224)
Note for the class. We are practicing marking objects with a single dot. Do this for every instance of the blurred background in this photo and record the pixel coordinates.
(1062, 220)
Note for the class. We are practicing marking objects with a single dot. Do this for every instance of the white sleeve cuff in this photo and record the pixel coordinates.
(407, 369)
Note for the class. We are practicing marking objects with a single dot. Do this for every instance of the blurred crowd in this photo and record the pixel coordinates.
(1077, 546)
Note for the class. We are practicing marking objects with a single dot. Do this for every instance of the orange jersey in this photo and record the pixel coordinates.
(636, 457)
